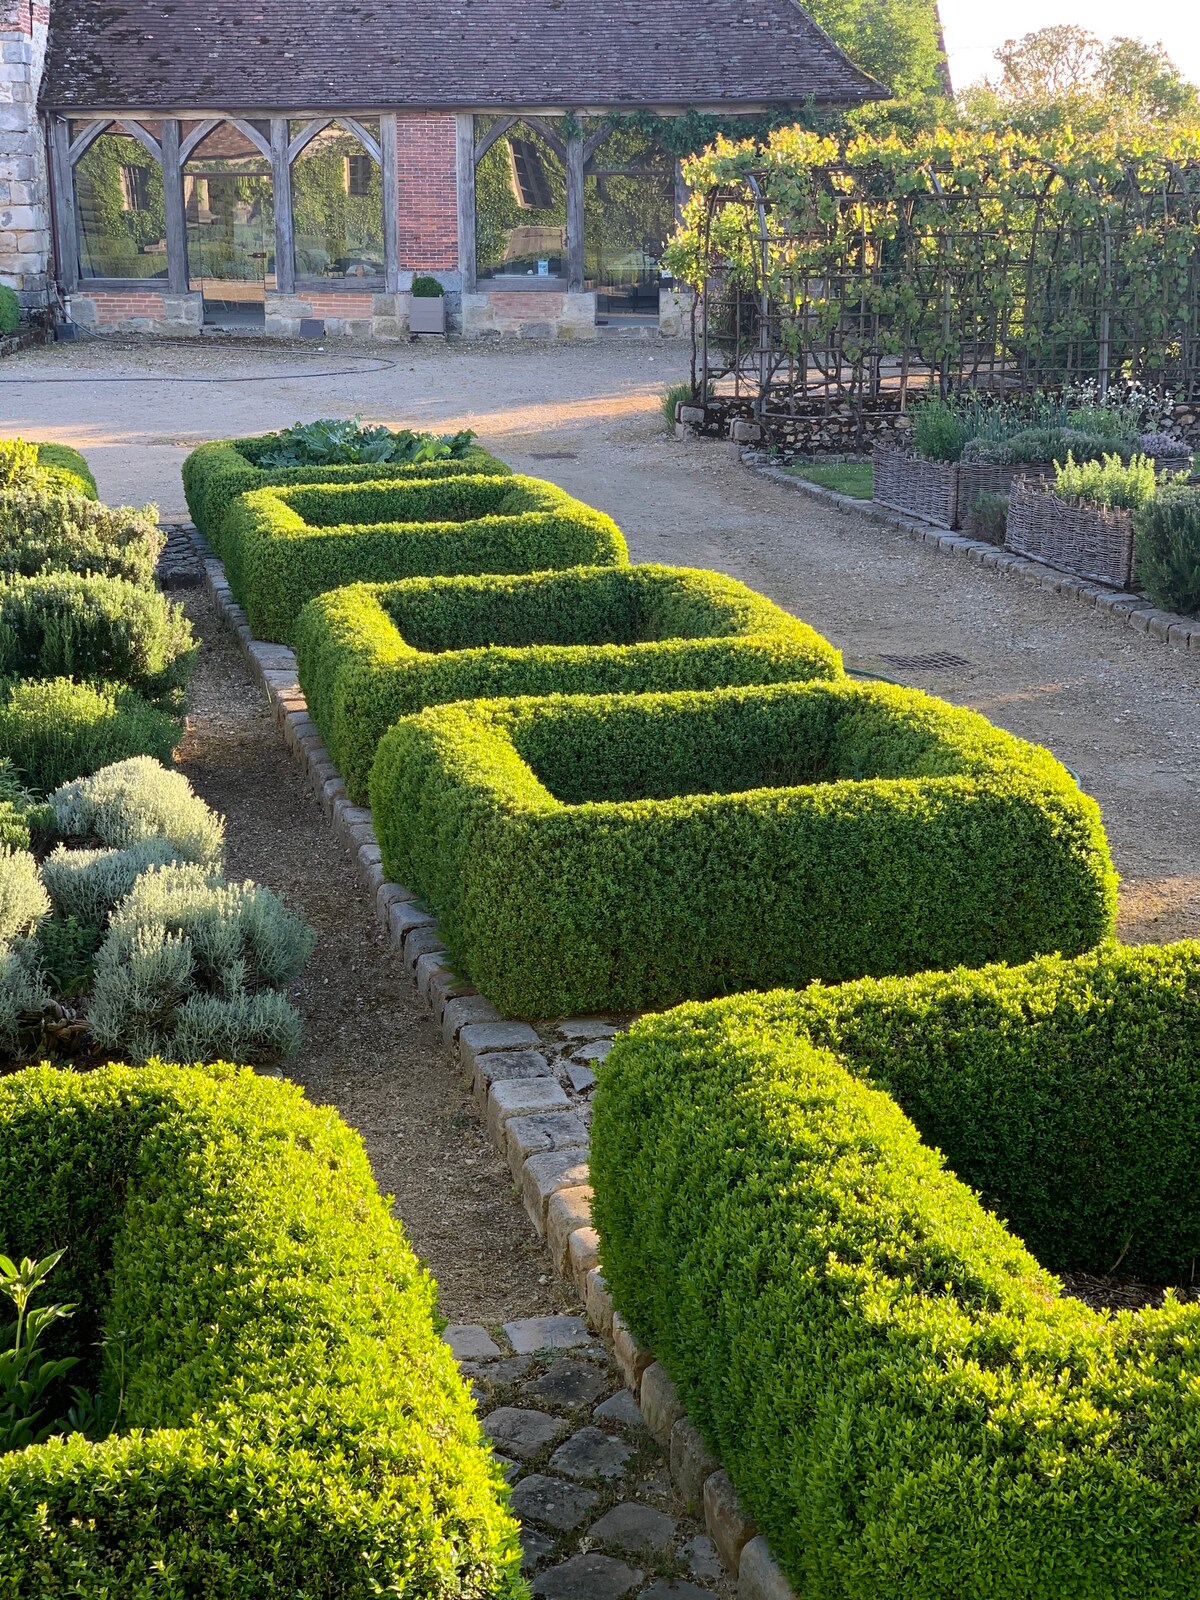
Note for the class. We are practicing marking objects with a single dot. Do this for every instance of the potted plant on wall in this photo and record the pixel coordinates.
(426, 305)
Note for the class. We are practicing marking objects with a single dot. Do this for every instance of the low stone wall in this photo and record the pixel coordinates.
(147, 310)
(345, 313)
(528, 314)
(532, 1087)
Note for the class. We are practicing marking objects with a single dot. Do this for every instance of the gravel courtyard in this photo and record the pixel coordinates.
(1122, 710)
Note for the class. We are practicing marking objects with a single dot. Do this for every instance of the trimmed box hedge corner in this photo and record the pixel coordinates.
(372, 653)
(904, 1398)
(215, 474)
(292, 1423)
(619, 852)
(282, 547)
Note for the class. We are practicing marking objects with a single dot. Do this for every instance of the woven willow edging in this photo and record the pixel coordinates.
(538, 1128)
(920, 488)
(1135, 611)
(987, 477)
(1088, 540)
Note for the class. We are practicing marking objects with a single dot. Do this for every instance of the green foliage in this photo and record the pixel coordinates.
(283, 546)
(61, 624)
(67, 468)
(898, 43)
(180, 934)
(425, 287)
(991, 517)
(53, 730)
(87, 884)
(217, 473)
(906, 1404)
(622, 852)
(334, 442)
(369, 654)
(26, 1373)
(65, 954)
(18, 464)
(44, 528)
(1037, 446)
(853, 478)
(292, 1423)
(1167, 548)
(10, 310)
(136, 801)
(1107, 482)
(24, 998)
(676, 394)
(23, 900)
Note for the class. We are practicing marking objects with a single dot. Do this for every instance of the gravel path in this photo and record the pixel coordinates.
(1122, 710)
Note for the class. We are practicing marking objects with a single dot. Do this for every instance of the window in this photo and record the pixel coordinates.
(337, 207)
(629, 214)
(119, 209)
(520, 206)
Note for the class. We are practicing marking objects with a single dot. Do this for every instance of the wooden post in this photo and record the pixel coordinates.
(176, 221)
(66, 240)
(388, 147)
(281, 179)
(575, 180)
(465, 173)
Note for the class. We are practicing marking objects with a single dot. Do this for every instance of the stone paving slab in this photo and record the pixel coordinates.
(635, 1527)
(591, 1454)
(522, 1432)
(470, 1341)
(547, 1333)
(553, 1503)
(588, 1577)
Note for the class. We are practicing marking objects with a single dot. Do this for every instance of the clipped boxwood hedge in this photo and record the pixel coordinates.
(904, 1399)
(620, 852)
(292, 1424)
(67, 468)
(216, 474)
(372, 653)
(283, 546)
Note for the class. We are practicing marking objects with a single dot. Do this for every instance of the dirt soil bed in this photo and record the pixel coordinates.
(1122, 710)
(369, 1048)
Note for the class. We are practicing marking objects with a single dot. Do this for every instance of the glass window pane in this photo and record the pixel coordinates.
(229, 204)
(337, 209)
(629, 214)
(520, 206)
(119, 207)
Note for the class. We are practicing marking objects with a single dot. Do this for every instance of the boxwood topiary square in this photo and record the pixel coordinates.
(372, 653)
(283, 546)
(617, 852)
(905, 1399)
(290, 1422)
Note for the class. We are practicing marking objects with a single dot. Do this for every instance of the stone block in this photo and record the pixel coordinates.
(661, 1408)
(430, 965)
(566, 1210)
(588, 1577)
(523, 1433)
(530, 1334)
(620, 1408)
(691, 1464)
(533, 1135)
(553, 1502)
(568, 1382)
(477, 1038)
(598, 1303)
(592, 1454)
(389, 895)
(445, 984)
(759, 1577)
(631, 1357)
(583, 1253)
(504, 1065)
(588, 1028)
(517, 1097)
(470, 1341)
(461, 1010)
(728, 1525)
(632, 1526)
(543, 1175)
(420, 942)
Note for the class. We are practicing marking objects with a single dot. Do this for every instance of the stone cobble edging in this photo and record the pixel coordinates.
(1134, 610)
(532, 1087)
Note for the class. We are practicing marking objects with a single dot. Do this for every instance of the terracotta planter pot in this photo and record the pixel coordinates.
(427, 314)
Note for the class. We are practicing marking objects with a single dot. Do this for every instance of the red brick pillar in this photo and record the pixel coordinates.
(428, 191)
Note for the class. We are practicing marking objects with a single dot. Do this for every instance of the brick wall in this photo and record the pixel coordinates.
(428, 198)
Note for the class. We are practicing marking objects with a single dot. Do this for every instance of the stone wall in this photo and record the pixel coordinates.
(137, 311)
(529, 314)
(24, 188)
(366, 315)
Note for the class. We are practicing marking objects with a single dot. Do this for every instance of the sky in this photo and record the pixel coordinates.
(975, 27)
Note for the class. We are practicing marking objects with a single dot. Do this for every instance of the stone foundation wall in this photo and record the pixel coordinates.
(24, 188)
(137, 311)
(365, 316)
(529, 314)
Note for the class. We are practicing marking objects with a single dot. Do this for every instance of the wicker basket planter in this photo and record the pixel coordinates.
(919, 488)
(987, 477)
(1087, 540)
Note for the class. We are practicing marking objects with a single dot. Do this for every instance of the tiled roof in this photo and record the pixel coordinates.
(265, 55)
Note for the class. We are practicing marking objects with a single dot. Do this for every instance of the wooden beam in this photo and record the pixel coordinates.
(66, 240)
(390, 168)
(575, 182)
(281, 182)
(176, 221)
(497, 131)
(465, 172)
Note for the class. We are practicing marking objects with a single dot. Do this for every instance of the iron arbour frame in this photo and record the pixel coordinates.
(849, 294)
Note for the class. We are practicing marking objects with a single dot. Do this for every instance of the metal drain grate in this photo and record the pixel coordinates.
(928, 661)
